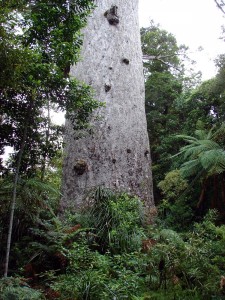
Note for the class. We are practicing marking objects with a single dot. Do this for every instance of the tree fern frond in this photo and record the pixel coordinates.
(209, 144)
(190, 168)
(41, 186)
(195, 149)
(218, 132)
(213, 161)
(212, 158)
(201, 134)
(210, 134)
(187, 137)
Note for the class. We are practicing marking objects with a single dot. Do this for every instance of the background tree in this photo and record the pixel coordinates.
(204, 161)
(39, 41)
(202, 108)
(166, 80)
(160, 50)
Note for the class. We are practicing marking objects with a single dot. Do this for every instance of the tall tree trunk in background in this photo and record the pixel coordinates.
(47, 136)
(116, 155)
(15, 184)
(13, 203)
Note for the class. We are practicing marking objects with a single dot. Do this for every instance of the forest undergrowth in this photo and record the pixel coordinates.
(109, 252)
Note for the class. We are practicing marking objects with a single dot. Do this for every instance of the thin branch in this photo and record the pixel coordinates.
(13, 203)
(160, 59)
(14, 197)
(152, 57)
(220, 6)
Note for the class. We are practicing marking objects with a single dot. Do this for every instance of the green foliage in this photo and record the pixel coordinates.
(203, 154)
(207, 100)
(35, 199)
(174, 106)
(175, 266)
(166, 80)
(178, 215)
(106, 252)
(175, 208)
(173, 185)
(86, 275)
(39, 42)
(162, 46)
(17, 289)
(33, 196)
(116, 220)
(203, 161)
(75, 261)
(95, 276)
(189, 260)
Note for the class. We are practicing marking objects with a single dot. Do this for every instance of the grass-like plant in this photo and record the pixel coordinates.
(116, 219)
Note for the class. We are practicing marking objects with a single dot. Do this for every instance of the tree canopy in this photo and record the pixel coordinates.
(39, 41)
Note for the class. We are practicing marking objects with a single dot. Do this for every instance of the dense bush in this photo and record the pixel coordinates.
(116, 221)
(17, 289)
(176, 208)
(107, 253)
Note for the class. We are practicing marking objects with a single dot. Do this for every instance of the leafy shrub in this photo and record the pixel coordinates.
(175, 209)
(15, 289)
(101, 264)
(116, 219)
(109, 254)
(178, 216)
(173, 185)
(188, 263)
(92, 275)
(35, 200)
(128, 275)
(86, 276)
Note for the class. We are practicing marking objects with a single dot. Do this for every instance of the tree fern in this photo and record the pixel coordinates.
(204, 157)
(213, 161)
(203, 153)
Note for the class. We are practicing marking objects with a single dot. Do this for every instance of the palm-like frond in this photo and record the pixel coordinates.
(203, 153)
(190, 168)
(220, 132)
(202, 134)
(213, 161)
(196, 148)
(33, 196)
(204, 157)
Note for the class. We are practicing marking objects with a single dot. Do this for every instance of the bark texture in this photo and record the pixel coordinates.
(117, 154)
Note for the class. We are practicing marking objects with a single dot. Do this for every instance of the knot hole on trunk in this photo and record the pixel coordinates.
(112, 15)
(80, 166)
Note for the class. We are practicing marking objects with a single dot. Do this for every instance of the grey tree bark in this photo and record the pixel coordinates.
(116, 155)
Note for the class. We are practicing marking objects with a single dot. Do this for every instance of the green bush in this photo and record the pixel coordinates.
(102, 265)
(173, 185)
(106, 253)
(188, 263)
(116, 220)
(16, 289)
(106, 263)
(92, 275)
(175, 209)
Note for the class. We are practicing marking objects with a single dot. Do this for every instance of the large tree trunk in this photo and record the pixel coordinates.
(117, 154)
